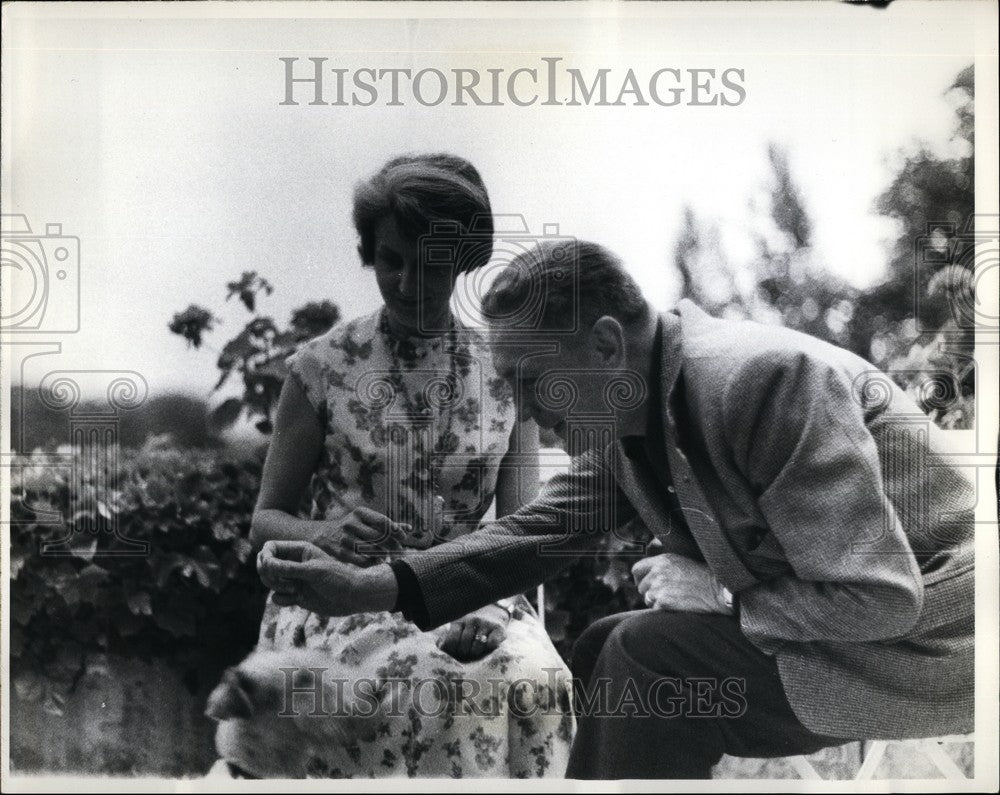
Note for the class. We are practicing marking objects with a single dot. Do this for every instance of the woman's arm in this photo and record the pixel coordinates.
(291, 461)
(296, 444)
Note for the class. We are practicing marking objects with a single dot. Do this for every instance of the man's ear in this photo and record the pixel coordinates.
(607, 342)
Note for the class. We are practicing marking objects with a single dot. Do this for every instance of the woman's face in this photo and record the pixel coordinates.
(416, 297)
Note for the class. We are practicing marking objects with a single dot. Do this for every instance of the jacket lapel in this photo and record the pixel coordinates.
(709, 535)
(642, 489)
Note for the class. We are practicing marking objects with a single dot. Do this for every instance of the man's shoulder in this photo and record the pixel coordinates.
(722, 348)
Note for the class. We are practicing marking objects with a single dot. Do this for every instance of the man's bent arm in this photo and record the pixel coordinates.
(517, 552)
(800, 437)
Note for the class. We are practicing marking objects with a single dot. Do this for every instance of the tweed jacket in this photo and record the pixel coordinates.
(813, 487)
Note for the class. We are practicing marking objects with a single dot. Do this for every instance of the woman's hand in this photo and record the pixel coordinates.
(474, 636)
(364, 537)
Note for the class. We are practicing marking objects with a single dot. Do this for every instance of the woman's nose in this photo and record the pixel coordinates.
(409, 281)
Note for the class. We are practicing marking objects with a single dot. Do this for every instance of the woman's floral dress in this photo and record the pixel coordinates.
(407, 421)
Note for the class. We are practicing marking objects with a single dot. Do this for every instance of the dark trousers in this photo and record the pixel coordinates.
(669, 693)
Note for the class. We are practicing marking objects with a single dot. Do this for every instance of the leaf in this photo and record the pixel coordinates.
(243, 549)
(226, 413)
(276, 367)
(247, 288)
(313, 319)
(16, 642)
(83, 518)
(238, 349)
(139, 603)
(224, 531)
(127, 624)
(205, 567)
(83, 546)
(192, 323)
(29, 685)
(222, 380)
(176, 623)
(262, 327)
(54, 703)
(165, 565)
(17, 561)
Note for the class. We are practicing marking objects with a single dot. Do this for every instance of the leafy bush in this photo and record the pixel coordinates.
(192, 598)
(594, 586)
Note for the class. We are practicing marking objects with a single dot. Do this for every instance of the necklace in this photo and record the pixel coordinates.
(425, 421)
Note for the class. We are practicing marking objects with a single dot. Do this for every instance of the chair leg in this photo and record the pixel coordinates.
(942, 761)
(804, 768)
(871, 756)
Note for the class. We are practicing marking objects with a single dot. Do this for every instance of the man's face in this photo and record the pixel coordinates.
(552, 387)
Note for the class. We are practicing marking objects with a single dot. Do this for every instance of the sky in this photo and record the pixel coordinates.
(160, 142)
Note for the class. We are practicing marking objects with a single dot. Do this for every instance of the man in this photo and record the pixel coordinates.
(818, 563)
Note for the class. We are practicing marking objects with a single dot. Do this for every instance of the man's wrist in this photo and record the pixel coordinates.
(380, 587)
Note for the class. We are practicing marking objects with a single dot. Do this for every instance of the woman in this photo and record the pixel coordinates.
(399, 427)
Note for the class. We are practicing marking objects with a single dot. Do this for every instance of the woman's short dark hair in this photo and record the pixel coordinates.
(564, 285)
(419, 190)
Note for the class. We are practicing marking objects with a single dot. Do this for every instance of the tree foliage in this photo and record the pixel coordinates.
(915, 322)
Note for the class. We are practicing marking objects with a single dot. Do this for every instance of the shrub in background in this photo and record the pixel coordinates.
(193, 599)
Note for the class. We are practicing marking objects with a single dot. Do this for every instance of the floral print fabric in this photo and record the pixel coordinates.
(411, 425)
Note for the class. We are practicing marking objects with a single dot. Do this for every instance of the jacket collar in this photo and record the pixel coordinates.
(670, 359)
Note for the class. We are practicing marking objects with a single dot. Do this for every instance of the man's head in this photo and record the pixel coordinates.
(590, 314)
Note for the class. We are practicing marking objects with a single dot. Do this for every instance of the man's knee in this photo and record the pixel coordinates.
(655, 639)
(588, 646)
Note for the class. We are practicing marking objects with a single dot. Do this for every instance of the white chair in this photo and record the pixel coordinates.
(873, 752)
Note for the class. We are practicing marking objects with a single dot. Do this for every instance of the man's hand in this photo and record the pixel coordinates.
(300, 573)
(674, 582)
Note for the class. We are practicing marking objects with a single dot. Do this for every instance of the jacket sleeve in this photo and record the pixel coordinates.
(525, 548)
(800, 437)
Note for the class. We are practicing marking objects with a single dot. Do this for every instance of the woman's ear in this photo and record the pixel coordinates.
(607, 342)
